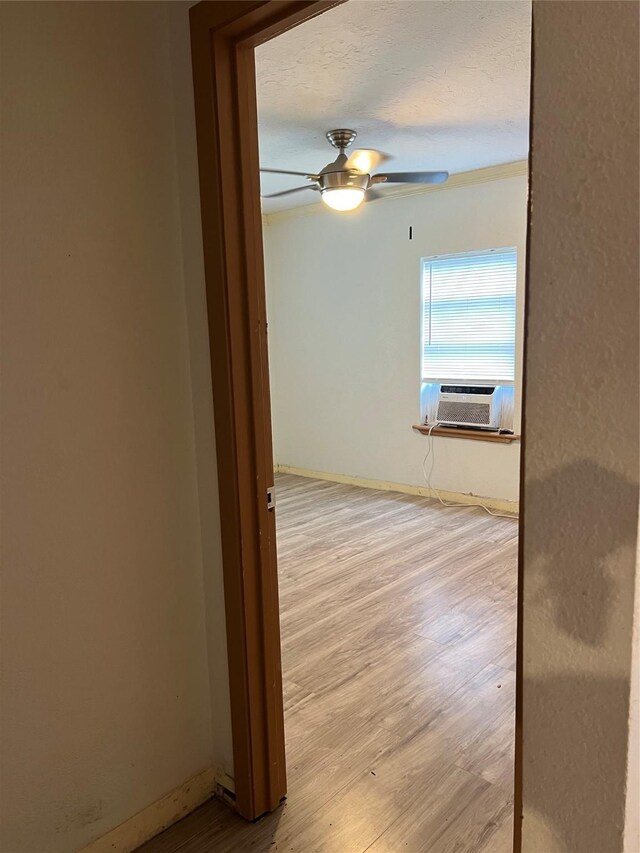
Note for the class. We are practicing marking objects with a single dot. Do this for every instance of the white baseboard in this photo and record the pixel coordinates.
(497, 504)
(161, 814)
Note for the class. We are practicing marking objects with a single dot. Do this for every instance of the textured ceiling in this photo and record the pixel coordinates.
(439, 85)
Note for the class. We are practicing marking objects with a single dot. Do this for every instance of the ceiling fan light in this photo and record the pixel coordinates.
(343, 198)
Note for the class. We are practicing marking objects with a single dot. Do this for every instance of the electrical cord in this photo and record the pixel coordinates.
(427, 478)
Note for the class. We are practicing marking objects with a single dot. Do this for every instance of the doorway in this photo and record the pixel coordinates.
(395, 610)
(224, 40)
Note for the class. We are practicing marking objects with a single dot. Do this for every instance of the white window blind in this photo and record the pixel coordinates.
(469, 316)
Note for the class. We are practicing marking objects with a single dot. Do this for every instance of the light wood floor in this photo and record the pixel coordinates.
(398, 631)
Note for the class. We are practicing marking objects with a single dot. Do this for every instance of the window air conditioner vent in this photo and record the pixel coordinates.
(470, 406)
(469, 413)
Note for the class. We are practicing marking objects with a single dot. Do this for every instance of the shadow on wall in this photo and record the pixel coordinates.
(579, 579)
(588, 512)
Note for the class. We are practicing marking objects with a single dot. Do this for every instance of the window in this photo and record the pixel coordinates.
(469, 317)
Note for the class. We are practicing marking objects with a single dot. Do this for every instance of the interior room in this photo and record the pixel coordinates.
(396, 519)
(347, 301)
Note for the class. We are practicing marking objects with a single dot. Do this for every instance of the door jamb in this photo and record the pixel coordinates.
(223, 37)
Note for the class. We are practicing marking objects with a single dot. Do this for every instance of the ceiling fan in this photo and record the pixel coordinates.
(347, 181)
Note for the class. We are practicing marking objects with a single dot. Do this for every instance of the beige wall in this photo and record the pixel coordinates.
(581, 406)
(200, 374)
(109, 697)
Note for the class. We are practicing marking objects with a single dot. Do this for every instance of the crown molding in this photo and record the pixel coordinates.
(515, 169)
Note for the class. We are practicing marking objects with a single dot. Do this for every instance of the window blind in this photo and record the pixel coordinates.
(469, 316)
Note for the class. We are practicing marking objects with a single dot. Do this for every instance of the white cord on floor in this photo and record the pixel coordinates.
(427, 478)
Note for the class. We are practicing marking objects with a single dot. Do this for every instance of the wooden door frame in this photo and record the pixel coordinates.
(223, 37)
(224, 34)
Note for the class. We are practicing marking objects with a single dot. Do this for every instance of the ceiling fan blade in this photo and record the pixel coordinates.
(366, 159)
(286, 172)
(410, 178)
(288, 192)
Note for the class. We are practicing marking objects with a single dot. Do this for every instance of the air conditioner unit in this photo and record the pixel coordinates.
(475, 406)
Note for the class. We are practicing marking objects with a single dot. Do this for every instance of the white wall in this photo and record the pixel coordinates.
(111, 590)
(344, 323)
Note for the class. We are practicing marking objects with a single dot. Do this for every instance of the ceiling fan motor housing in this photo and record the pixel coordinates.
(346, 178)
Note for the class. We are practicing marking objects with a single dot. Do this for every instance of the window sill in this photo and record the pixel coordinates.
(473, 435)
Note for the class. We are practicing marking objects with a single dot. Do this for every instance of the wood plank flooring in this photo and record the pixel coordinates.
(398, 634)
